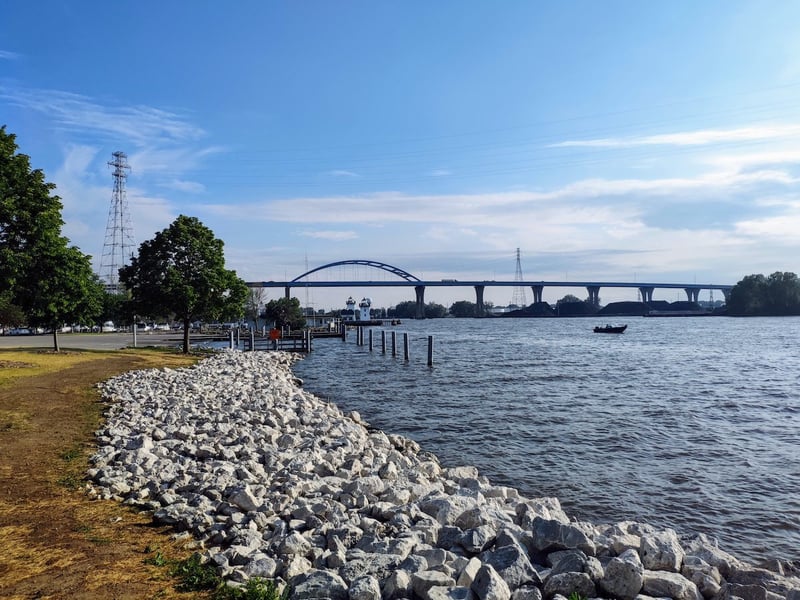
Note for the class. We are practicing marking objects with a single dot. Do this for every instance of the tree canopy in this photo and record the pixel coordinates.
(41, 276)
(182, 271)
(756, 295)
(285, 312)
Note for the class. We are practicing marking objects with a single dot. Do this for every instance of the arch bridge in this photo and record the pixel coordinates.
(406, 279)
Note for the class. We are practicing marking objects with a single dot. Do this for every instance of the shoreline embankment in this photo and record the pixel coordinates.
(270, 481)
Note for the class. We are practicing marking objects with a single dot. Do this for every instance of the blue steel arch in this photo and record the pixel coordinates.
(369, 263)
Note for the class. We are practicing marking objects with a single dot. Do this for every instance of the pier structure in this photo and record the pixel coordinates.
(406, 279)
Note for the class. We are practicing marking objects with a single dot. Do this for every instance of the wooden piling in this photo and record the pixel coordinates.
(370, 340)
(405, 347)
(394, 343)
(430, 350)
(383, 342)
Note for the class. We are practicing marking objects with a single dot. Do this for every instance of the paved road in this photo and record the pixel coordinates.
(91, 341)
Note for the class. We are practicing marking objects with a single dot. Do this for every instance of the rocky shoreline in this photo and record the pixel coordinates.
(270, 481)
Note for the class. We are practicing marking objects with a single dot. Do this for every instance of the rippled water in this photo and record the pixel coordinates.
(691, 423)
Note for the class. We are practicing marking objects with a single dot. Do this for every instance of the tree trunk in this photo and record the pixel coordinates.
(186, 325)
(55, 340)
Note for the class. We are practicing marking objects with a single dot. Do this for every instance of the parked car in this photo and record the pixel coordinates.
(108, 327)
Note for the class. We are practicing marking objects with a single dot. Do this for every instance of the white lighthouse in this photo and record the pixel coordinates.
(363, 308)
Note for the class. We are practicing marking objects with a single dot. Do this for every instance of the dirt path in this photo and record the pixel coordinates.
(56, 543)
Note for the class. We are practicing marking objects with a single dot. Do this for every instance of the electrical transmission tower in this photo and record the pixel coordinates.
(519, 290)
(119, 245)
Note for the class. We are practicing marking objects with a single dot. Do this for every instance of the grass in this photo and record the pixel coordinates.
(194, 575)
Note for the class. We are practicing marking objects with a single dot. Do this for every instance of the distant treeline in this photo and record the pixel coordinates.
(756, 295)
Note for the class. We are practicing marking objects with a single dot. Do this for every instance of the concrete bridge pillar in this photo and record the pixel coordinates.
(594, 294)
(726, 292)
(288, 291)
(480, 309)
(420, 290)
(647, 294)
(692, 294)
(537, 293)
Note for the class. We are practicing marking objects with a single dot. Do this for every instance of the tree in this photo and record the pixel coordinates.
(30, 215)
(434, 310)
(404, 310)
(567, 299)
(182, 271)
(49, 281)
(747, 298)
(463, 308)
(60, 289)
(285, 312)
(10, 313)
(756, 295)
(253, 303)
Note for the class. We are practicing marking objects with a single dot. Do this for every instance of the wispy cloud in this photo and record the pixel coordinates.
(8, 55)
(139, 125)
(342, 173)
(184, 186)
(440, 173)
(689, 138)
(333, 236)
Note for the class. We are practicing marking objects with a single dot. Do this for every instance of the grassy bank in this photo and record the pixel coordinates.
(58, 543)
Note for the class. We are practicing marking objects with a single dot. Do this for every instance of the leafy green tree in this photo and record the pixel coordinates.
(182, 271)
(49, 281)
(10, 313)
(61, 289)
(30, 215)
(463, 308)
(285, 312)
(568, 298)
(756, 295)
(748, 296)
(434, 310)
(404, 310)
(783, 294)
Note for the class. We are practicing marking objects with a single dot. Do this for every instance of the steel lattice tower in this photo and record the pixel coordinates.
(519, 291)
(119, 244)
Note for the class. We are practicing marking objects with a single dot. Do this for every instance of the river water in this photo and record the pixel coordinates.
(689, 423)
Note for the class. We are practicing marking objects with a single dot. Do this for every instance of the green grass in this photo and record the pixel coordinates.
(195, 576)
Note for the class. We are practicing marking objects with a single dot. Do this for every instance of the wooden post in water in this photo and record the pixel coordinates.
(394, 343)
(405, 346)
(344, 332)
(383, 341)
(370, 340)
(430, 350)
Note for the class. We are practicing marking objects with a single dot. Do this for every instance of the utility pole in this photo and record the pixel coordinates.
(519, 291)
(119, 244)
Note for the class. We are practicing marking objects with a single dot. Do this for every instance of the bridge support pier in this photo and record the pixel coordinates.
(420, 290)
(288, 292)
(537, 293)
(692, 294)
(647, 294)
(594, 294)
(480, 308)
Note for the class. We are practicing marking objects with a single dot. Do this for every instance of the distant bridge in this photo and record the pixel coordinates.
(406, 279)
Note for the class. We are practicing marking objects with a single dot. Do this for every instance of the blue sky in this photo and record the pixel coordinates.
(608, 140)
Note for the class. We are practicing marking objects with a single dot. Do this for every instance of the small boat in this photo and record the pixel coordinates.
(611, 329)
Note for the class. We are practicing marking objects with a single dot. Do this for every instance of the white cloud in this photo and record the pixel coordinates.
(342, 173)
(690, 138)
(185, 186)
(333, 236)
(8, 55)
(440, 173)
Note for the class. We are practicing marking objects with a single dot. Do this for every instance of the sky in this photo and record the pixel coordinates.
(607, 140)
